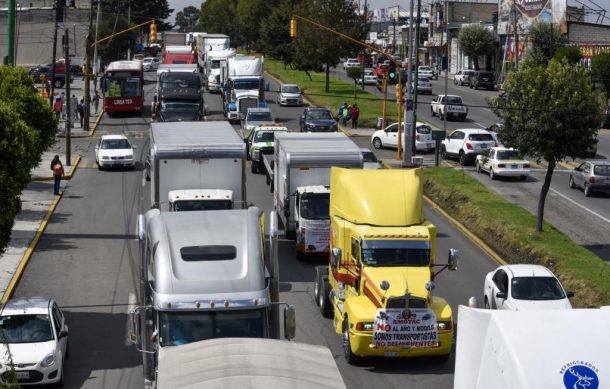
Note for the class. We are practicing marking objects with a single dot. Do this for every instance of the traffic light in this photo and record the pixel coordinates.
(293, 28)
(153, 32)
(60, 6)
(392, 77)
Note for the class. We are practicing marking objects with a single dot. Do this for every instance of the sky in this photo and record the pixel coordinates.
(178, 5)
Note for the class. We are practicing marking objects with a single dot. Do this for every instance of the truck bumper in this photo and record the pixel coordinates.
(362, 346)
(234, 116)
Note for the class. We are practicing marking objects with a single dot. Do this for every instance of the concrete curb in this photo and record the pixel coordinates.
(65, 176)
(29, 251)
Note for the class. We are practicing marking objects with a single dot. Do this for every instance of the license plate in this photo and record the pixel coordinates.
(514, 166)
(391, 354)
(484, 146)
(22, 375)
(429, 144)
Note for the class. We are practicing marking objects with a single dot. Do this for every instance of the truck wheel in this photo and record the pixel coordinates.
(321, 271)
(326, 307)
(572, 184)
(350, 357)
(254, 168)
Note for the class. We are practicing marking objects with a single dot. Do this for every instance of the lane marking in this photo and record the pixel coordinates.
(581, 206)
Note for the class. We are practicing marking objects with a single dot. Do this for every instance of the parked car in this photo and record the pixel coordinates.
(37, 71)
(425, 71)
(317, 119)
(289, 94)
(369, 78)
(35, 332)
(255, 117)
(591, 176)
(424, 86)
(482, 79)
(351, 63)
(462, 77)
(388, 137)
(369, 159)
(114, 151)
(523, 288)
(150, 64)
(466, 144)
(500, 161)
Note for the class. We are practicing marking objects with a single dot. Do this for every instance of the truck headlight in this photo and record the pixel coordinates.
(48, 360)
(364, 326)
(444, 325)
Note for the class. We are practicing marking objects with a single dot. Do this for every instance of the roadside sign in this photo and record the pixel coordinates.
(405, 328)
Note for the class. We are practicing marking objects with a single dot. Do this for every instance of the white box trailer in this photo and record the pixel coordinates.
(206, 42)
(195, 155)
(248, 363)
(302, 172)
(554, 349)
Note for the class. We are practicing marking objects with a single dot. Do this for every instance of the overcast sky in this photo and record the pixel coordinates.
(178, 5)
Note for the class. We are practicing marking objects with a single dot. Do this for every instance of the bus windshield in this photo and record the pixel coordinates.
(395, 253)
(176, 328)
(123, 87)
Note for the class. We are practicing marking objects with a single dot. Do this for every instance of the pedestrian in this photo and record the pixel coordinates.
(96, 101)
(58, 105)
(58, 170)
(354, 113)
(345, 114)
(81, 112)
(62, 98)
(340, 110)
(73, 109)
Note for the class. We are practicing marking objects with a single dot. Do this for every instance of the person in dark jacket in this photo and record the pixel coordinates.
(58, 170)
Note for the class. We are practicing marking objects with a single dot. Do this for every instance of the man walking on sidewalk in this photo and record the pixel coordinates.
(96, 101)
(58, 170)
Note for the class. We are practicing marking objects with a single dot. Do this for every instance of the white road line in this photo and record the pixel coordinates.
(581, 206)
(132, 304)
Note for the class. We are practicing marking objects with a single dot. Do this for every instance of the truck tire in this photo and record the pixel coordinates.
(350, 357)
(254, 168)
(326, 306)
(321, 272)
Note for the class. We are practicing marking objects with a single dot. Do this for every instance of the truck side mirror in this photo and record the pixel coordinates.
(501, 295)
(454, 258)
(141, 227)
(290, 322)
(336, 256)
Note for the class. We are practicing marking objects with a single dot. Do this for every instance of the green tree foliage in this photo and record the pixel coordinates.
(600, 69)
(275, 38)
(116, 48)
(544, 40)
(188, 19)
(570, 53)
(219, 17)
(28, 127)
(143, 10)
(355, 74)
(251, 14)
(475, 41)
(549, 113)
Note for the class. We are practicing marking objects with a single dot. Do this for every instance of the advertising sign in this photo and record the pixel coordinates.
(531, 11)
(405, 328)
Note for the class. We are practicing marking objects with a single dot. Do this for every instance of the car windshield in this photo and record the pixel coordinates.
(423, 80)
(536, 288)
(424, 130)
(314, 206)
(368, 156)
(264, 136)
(424, 69)
(508, 154)
(601, 170)
(115, 144)
(319, 114)
(25, 329)
(260, 116)
(480, 137)
(290, 89)
(453, 99)
(178, 328)
(198, 205)
(395, 253)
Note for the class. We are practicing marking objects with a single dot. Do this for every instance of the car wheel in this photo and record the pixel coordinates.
(350, 357)
(587, 190)
(326, 307)
(461, 83)
(492, 175)
(478, 165)
(443, 152)
(463, 118)
(58, 83)
(442, 116)
(476, 87)
(377, 143)
(455, 82)
(432, 112)
(487, 303)
(572, 184)
(462, 158)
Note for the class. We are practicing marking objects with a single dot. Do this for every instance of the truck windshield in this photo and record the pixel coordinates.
(252, 84)
(179, 106)
(176, 328)
(215, 64)
(395, 253)
(314, 206)
(198, 205)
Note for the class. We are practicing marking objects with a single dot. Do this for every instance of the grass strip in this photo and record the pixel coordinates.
(341, 91)
(510, 230)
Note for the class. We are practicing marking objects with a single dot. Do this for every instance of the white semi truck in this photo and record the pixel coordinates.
(199, 156)
(207, 42)
(204, 275)
(245, 86)
(216, 68)
(301, 184)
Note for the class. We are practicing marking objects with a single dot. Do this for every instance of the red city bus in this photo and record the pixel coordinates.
(123, 87)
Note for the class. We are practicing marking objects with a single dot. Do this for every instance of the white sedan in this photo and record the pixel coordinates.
(36, 333)
(369, 78)
(114, 151)
(500, 161)
(388, 137)
(523, 288)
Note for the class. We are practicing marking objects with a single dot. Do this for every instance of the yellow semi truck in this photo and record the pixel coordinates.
(379, 281)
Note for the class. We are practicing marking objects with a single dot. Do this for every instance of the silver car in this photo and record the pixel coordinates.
(591, 176)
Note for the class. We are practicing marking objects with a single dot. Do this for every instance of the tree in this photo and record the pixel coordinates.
(475, 41)
(218, 17)
(275, 38)
(570, 53)
(188, 19)
(143, 10)
(28, 128)
(544, 40)
(115, 48)
(549, 112)
(355, 74)
(600, 69)
(251, 14)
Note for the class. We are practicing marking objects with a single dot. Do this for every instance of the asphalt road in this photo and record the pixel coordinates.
(88, 260)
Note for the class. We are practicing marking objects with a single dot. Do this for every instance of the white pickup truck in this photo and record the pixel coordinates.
(447, 106)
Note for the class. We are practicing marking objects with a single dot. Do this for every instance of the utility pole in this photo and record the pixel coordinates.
(128, 23)
(414, 123)
(446, 17)
(516, 36)
(57, 4)
(408, 107)
(68, 111)
(11, 32)
(87, 71)
(97, 24)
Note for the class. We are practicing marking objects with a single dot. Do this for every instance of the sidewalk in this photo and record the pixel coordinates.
(77, 88)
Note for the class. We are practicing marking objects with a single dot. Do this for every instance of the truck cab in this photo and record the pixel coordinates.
(200, 200)
(239, 103)
(312, 219)
(261, 141)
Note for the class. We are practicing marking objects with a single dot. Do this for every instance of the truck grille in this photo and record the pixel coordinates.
(406, 302)
(244, 104)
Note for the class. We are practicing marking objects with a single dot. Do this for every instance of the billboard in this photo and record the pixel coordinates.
(529, 12)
